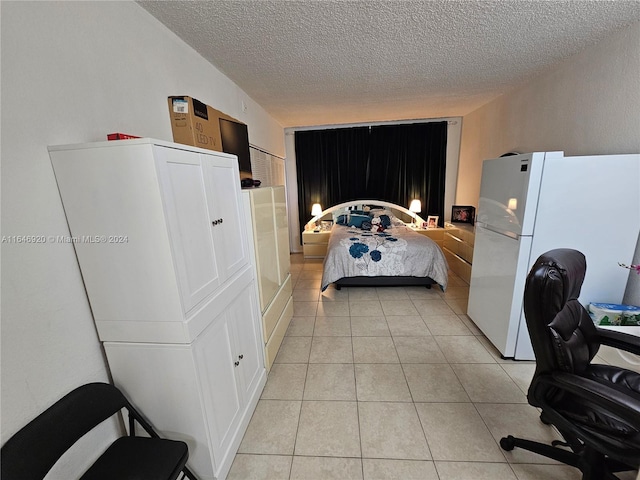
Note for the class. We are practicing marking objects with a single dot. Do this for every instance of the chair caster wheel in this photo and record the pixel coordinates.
(508, 443)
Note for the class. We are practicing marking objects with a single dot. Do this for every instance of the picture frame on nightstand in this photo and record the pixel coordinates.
(325, 225)
(432, 222)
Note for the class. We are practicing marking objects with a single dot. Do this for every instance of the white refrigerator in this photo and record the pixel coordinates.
(535, 202)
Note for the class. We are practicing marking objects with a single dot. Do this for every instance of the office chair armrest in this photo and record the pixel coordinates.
(623, 341)
(626, 406)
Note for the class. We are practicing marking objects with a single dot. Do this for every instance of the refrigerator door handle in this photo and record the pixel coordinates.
(500, 231)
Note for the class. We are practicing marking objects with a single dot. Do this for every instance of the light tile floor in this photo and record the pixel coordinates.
(390, 383)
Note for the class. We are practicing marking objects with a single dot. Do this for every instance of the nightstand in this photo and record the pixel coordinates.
(314, 244)
(435, 234)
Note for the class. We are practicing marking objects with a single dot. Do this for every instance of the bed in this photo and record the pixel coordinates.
(361, 253)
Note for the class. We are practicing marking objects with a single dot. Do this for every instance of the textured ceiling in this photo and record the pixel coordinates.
(328, 62)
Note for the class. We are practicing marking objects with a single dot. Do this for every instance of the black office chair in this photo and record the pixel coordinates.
(596, 408)
(32, 451)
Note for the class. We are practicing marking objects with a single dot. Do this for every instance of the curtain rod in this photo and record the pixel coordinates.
(292, 130)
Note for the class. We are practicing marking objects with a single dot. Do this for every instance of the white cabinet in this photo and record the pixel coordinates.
(315, 244)
(190, 226)
(435, 234)
(266, 212)
(248, 349)
(458, 249)
(265, 243)
(282, 232)
(169, 233)
(203, 220)
(160, 235)
(203, 393)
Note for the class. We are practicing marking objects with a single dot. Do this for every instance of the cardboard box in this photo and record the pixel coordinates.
(195, 123)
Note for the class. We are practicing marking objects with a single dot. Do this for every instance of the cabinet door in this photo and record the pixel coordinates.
(265, 245)
(226, 216)
(185, 201)
(243, 313)
(162, 380)
(217, 372)
(113, 191)
(282, 233)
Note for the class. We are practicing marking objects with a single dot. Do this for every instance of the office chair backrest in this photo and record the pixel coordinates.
(562, 333)
(33, 451)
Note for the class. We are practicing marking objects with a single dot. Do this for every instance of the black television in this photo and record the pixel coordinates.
(235, 140)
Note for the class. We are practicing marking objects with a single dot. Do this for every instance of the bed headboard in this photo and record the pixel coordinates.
(332, 213)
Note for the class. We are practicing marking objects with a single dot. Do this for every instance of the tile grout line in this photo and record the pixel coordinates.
(355, 383)
(402, 365)
(295, 441)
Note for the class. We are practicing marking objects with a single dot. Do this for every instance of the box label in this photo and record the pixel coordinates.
(200, 109)
(180, 105)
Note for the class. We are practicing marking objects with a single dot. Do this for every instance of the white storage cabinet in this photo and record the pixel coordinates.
(160, 236)
(266, 213)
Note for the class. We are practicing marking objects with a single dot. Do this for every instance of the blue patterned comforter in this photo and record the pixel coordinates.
(398, 251)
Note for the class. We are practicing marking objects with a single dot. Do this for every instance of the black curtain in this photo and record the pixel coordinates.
(331, 167)
(396, 163)
(407, 162)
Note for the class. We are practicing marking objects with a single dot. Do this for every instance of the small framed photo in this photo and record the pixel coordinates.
(432, 221)
(463, 214)
(325, 225)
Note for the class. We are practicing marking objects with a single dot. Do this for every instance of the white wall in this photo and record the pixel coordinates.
(73, 72)
(590, 104)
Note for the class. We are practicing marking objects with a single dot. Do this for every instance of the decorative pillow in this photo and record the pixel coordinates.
(342, 219)
(356, 220)
(358, 212)
(392, 219)
(366, 225)
(385, 221)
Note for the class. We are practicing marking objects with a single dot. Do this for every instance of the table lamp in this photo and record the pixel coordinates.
(415, 207)
(316, 210)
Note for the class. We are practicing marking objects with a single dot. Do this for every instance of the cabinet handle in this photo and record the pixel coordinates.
(236, 363)
(216, 222)
(240, 357)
